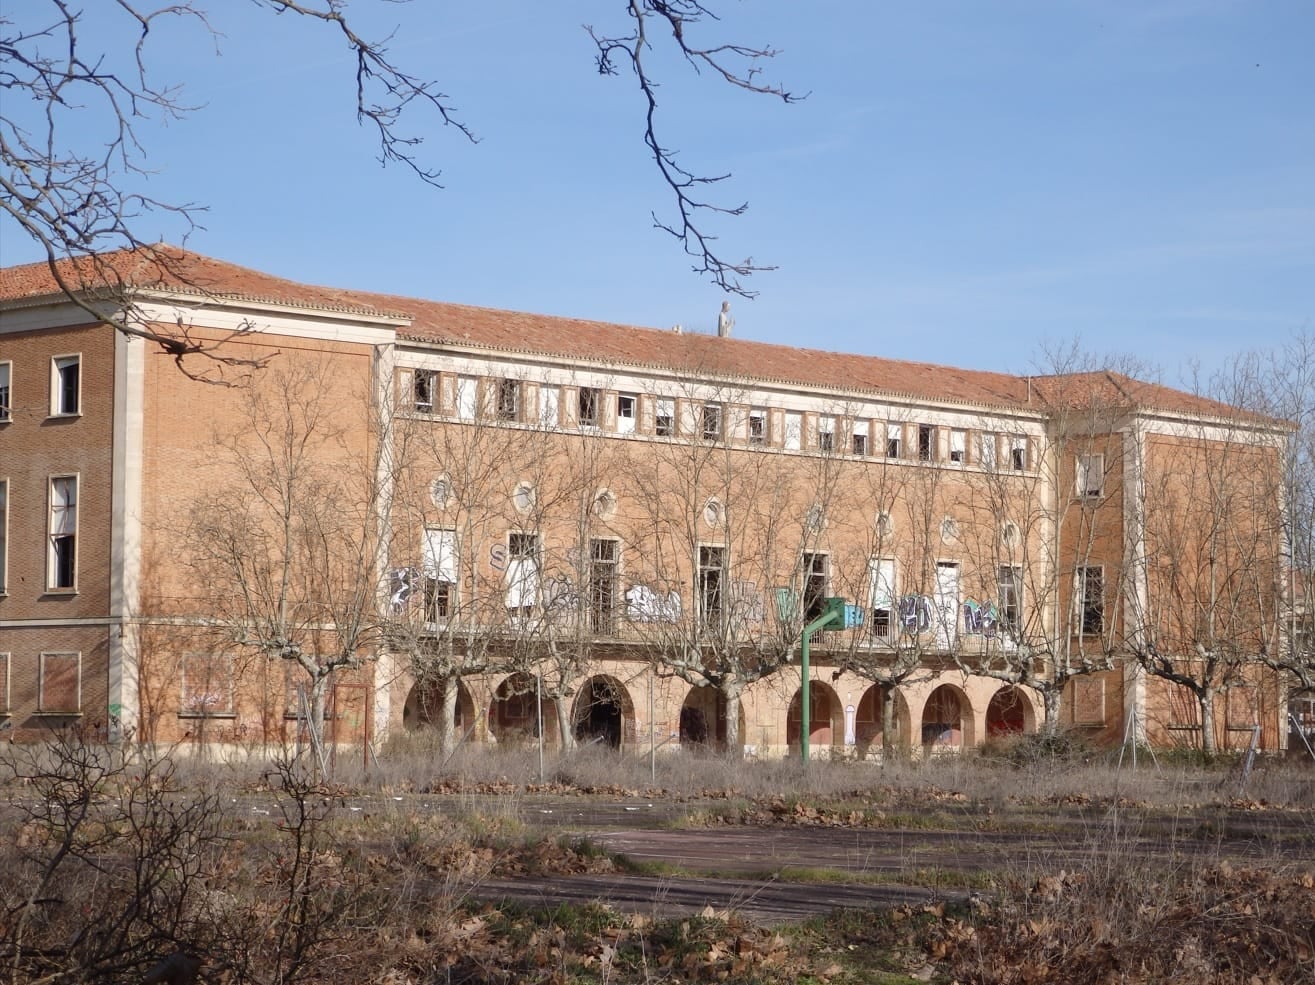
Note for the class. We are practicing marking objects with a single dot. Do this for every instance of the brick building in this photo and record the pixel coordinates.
(510, 522)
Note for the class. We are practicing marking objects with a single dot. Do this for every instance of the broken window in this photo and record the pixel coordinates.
(815, 585)
(757, 426)
(1018, 452)
(549, 398)
(794, 429)
(588, 407)
(894, 439)
(65, 385)
(423, 384)
(826, 434)
(626, 407)
(439, 570)
(664, 421)
(466, 398)
(881, 597)
(603, 555)
(926, 442)
(711, 422)
(62, 559)
(712, 576)
(1011, 600)
(1091, 475)
(1091, 600)
(958, 445)
(522, 574)
(860, 438)
(509, 400)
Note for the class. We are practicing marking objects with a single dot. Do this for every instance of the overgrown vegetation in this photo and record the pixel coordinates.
(125, 866)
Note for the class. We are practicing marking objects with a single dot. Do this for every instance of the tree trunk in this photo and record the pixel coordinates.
(1206, 696)
(319, 694)
(734, 741)
(565, 730)
(1052, 699)
(447, 714)
(888, 737)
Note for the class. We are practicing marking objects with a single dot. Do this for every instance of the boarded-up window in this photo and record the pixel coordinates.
(1089, 701)
(1243, 710)
(207, 680)
(794, 430)
(60, 686)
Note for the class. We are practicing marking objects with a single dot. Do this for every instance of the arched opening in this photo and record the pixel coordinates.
(1009, 713)
(514, 715)
(424, 703)
(867, 723)
(602, 711)
(944, 719)
(826, 724)
(703, 719)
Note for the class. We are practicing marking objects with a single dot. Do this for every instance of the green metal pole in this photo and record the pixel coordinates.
(805, 695)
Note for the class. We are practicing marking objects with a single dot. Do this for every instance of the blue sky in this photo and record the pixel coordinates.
(966, 183)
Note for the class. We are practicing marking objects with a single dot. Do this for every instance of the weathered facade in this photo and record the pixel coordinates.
(517, 524)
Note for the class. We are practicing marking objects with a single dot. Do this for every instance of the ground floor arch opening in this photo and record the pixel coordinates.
(424, 705)
(1009, 713)
(868, 720)
(826, 718)
(514, 715)
(946, 719)
(703, 719)
(604, 713)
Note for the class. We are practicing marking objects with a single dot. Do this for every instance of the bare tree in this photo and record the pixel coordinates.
(290, 550)
(78, 107)
(1213, 562)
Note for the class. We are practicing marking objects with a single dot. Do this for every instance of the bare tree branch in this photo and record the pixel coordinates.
(738, 65)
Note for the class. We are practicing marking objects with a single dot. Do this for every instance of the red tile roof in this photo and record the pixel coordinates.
(171, 268)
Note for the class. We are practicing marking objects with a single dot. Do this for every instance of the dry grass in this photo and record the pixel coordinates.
(377, 894)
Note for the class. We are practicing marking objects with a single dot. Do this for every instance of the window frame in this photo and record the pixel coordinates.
(424, 388)
(793, 438)
(860, 439)
(42, 708)
(826, 434)
(1018, 453)
(1082, 480)
(664, 417)
(59, 385)
(815, 587)
(54, 559)
(4, 536)
(1010, 620)
(711, 422)
(466, 396)
(1086, 574)
(627, 423)
(988, 448)
(757, 426)
(508, 399)
(958, 449)
(894, 440)
(711, 583)
(588, 407)
(432, 569)
(528, 581)
(926, 442)
(875, 576)
(604, 586)
(6, 390)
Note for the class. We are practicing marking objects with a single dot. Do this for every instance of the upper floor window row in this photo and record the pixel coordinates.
(470, 398)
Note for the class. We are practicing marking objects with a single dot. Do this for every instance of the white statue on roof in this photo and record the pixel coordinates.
(725, 320)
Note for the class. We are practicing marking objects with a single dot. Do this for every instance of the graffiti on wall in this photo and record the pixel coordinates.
(643, 604)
